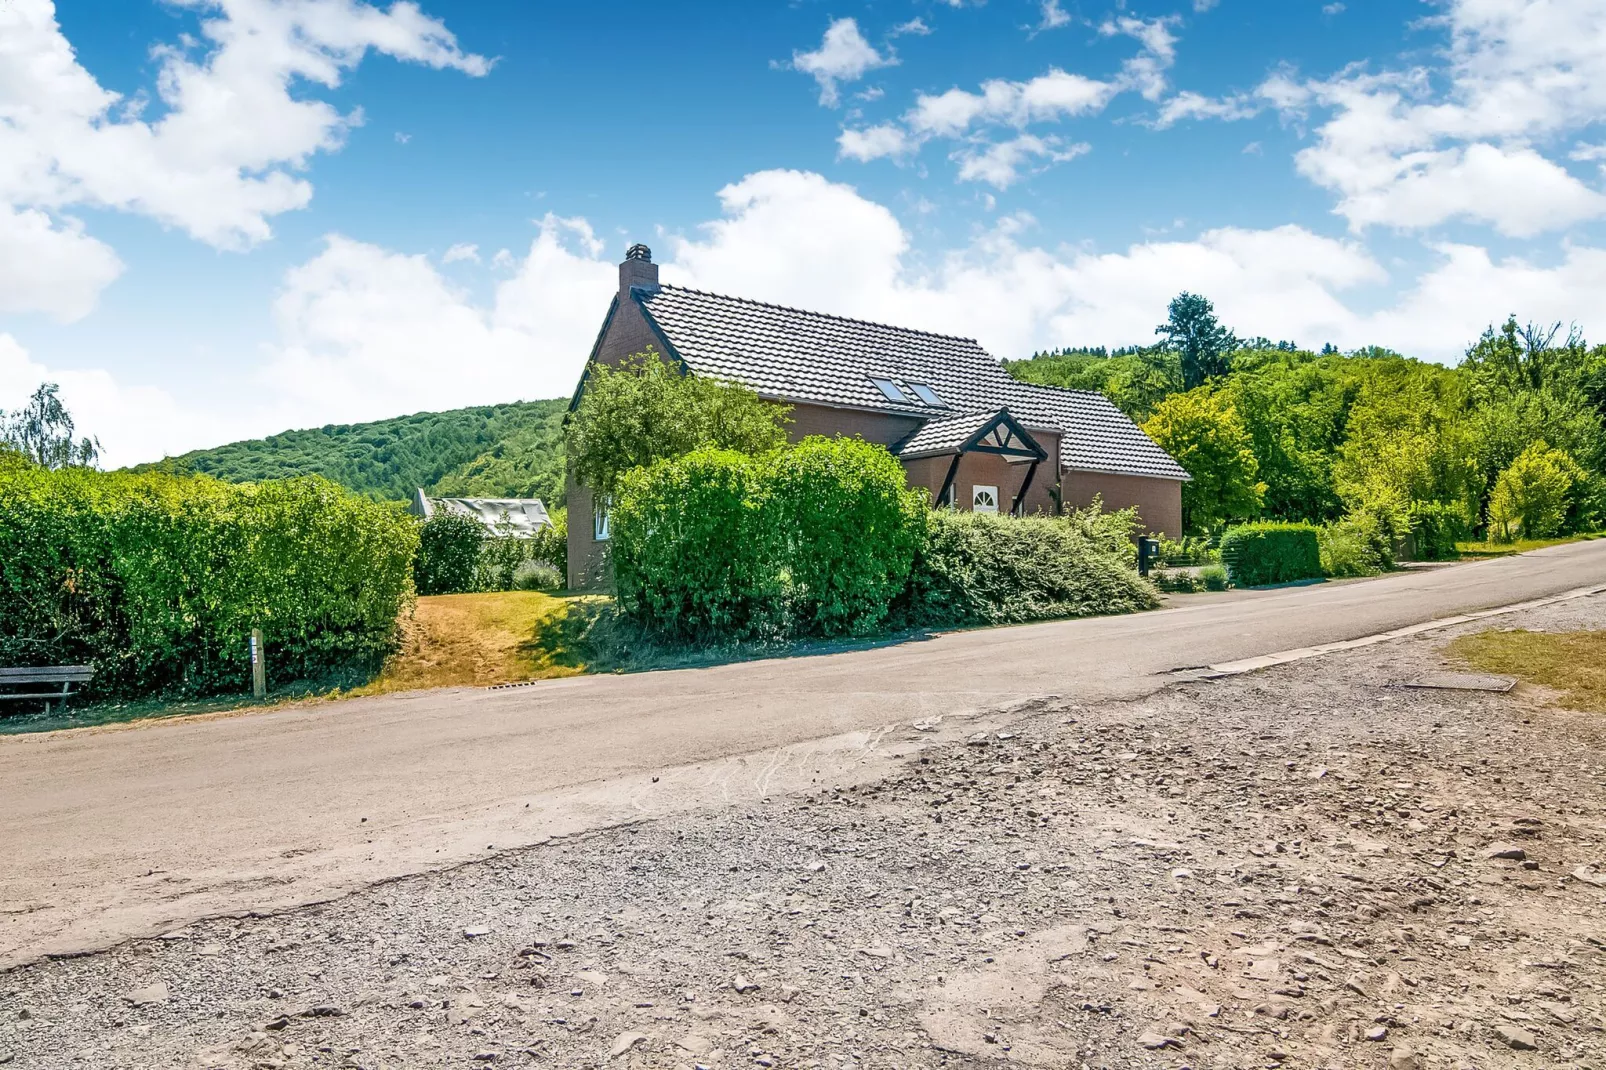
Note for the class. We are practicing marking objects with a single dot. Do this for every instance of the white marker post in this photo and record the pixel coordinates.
(259, 668)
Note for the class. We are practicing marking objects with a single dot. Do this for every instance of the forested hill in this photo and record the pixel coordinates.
(513, 450)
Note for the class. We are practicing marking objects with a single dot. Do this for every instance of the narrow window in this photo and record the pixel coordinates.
(889, 390)
(984, 499)
(927, 395)
(601, 514)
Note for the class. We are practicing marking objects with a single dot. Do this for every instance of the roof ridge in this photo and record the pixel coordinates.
(810, 312)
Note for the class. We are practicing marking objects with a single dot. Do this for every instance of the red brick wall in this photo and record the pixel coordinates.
(1159, 501)
(871, 426)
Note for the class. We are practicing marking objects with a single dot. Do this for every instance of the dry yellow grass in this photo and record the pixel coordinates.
(1573, 663)
(474, 640)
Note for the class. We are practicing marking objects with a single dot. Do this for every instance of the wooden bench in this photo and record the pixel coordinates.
(60, 678)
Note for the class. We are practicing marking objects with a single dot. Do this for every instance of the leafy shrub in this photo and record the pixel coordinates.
(1214, 577)
(980, 568)
(1533, 495)
(1176, 581)
(1346, 551)
(448, 554)
(157, 580)
(536, 576)
(697, 548)
(1437, 527)
(1115, 533)
(551, 545)
(1262, 553)
(1189, 550)
(1363, 542)
(851, 528)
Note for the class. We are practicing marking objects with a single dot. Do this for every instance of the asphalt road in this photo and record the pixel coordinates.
(116, 833)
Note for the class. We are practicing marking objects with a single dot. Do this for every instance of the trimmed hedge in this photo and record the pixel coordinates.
(814, 540)
(980, 568)
(157, 580)
(1264, 553)
(851, 529)
(448, 558)
(697, 549)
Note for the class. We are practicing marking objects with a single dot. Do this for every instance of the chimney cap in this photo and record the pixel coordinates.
(639, 251)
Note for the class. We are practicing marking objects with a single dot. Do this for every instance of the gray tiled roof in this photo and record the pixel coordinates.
(1098, 437)
(803, 356)
(944, 434)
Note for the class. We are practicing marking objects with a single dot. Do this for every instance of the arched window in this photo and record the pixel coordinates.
(984, 499)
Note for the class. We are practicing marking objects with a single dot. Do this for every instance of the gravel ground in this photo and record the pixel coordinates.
(1303, 867)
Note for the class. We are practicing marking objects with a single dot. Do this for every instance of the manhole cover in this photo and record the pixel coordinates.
(1463, 681)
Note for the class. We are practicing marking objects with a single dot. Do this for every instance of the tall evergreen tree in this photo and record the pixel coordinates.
(1205, 346)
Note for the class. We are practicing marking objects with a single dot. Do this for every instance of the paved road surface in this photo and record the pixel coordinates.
(116, 833)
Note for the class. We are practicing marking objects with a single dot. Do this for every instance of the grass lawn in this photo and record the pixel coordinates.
(1503, 549)
(474, 640)
(1571, 662)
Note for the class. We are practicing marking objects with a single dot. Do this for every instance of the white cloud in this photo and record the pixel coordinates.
(1146, 72)
(1464, 140)
(1046, 98)
(1050, 97)
(237, 124)
(843, 56)
(365, 332)
(1335, 8)
(461, 251)
(1191, 105)
(1001, 164)
(874, 142)
(1053, 16)
(915, 26)
(50, 265)
(1515, 190)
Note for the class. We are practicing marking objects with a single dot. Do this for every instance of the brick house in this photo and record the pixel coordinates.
(966, 430)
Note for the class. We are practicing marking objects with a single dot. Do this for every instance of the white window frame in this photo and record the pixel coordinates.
(602, 519)
(975, 495)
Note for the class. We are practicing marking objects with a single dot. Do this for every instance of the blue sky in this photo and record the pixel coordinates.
(222, 218)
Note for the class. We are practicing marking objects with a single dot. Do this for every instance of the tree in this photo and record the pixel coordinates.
(1202, 430)
(645, 410)
(42, 430)
(1204, 344)
(1534, 494)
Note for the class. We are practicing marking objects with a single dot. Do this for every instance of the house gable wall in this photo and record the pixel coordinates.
(1158, 501)
(627, 334)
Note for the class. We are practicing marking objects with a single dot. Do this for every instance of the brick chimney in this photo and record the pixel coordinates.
(637, 270)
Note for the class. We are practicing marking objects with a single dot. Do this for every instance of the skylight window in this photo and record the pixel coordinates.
(890, 390)
(927, 395)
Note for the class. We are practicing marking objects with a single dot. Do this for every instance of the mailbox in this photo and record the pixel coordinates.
(1148, 554)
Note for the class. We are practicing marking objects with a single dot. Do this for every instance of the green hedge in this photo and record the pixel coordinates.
(697, 550)
(1259, 554)
(448, 558)
(980, 568)
(850, 528)
(157, 580)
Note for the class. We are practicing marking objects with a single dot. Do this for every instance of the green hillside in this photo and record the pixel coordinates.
(513, 450)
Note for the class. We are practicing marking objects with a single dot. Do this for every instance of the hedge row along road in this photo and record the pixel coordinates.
(126, 832)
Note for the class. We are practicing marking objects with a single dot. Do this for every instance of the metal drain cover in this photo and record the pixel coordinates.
(1462, 681)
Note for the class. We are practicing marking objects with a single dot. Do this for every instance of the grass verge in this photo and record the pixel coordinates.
(475, 640)
(1505, 549)
(1573, 663)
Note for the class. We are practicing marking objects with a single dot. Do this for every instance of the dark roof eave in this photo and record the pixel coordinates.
(1065, 467)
